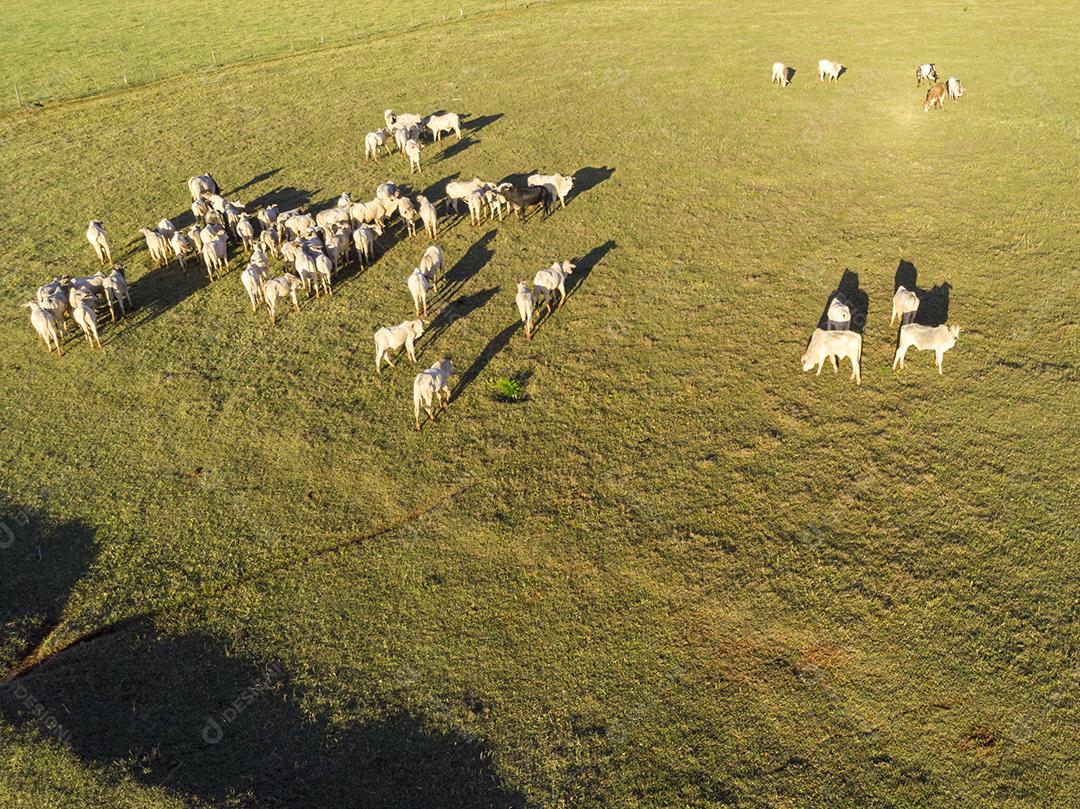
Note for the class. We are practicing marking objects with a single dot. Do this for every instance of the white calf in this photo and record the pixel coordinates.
(938, 339)
(828, 345)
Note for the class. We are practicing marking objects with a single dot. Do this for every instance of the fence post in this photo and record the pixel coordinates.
(213, 55)
(18, 98)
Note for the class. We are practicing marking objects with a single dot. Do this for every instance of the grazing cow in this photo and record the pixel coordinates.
(830, 69)
(447, 122)
(904, 302)
(830, 345)
(418, 288)
(268, 215)
(547, 282)
(522, 198)
(408, 214)
(954, 88)
(525, 303)
(938, 339)
(44, 324)
(95, 234)
(275, 291)
(925, 71)
(373, 141)
(557, 186)
(391, 338)
(935, 98)
(779, 74)
(432, 386)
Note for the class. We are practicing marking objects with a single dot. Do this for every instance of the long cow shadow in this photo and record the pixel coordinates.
(494, 346)
(933, 303)
(480, 122)
(455, 311)
(177, 712)
(586, 179)
(474, 259)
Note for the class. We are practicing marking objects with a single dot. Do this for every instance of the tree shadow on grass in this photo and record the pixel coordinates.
(179, 713)
(41, 561)
(933, 303)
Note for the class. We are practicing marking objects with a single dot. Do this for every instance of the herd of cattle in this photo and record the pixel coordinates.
(839, 341)
(831, 71)
(314, 247)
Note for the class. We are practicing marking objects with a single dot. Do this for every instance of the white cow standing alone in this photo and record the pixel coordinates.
(828, 345)
(779, 74)
(938, 339)
(547, 282)
(432, 387)
(830, 69)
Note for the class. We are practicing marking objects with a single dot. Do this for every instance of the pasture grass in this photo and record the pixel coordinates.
(681, 573)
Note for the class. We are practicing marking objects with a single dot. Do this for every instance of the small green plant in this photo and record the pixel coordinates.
(508, 390)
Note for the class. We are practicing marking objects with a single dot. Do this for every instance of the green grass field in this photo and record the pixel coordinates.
(680, 572)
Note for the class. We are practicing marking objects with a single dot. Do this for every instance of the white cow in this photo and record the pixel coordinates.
(938, 339)
(779, 74)
(85, 315)
(391, 338)
(158, 245)
(903, 302)
(116, 292)
(432, 387)
(429, 216)
(275, 291)
(373, 141)
(557, 185)
(432, 263)
(954, 88)
(828, 345)
(253, 278)
(214, 256)
(547, 282)
(925, 72)
(839, 313)
(447, 122)
(45, 325)
(202, 184)
(418, 288)
(364, 240)
(461, 189)
(830, 69)
(412, 151)
(525, 303)
(95, 234)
